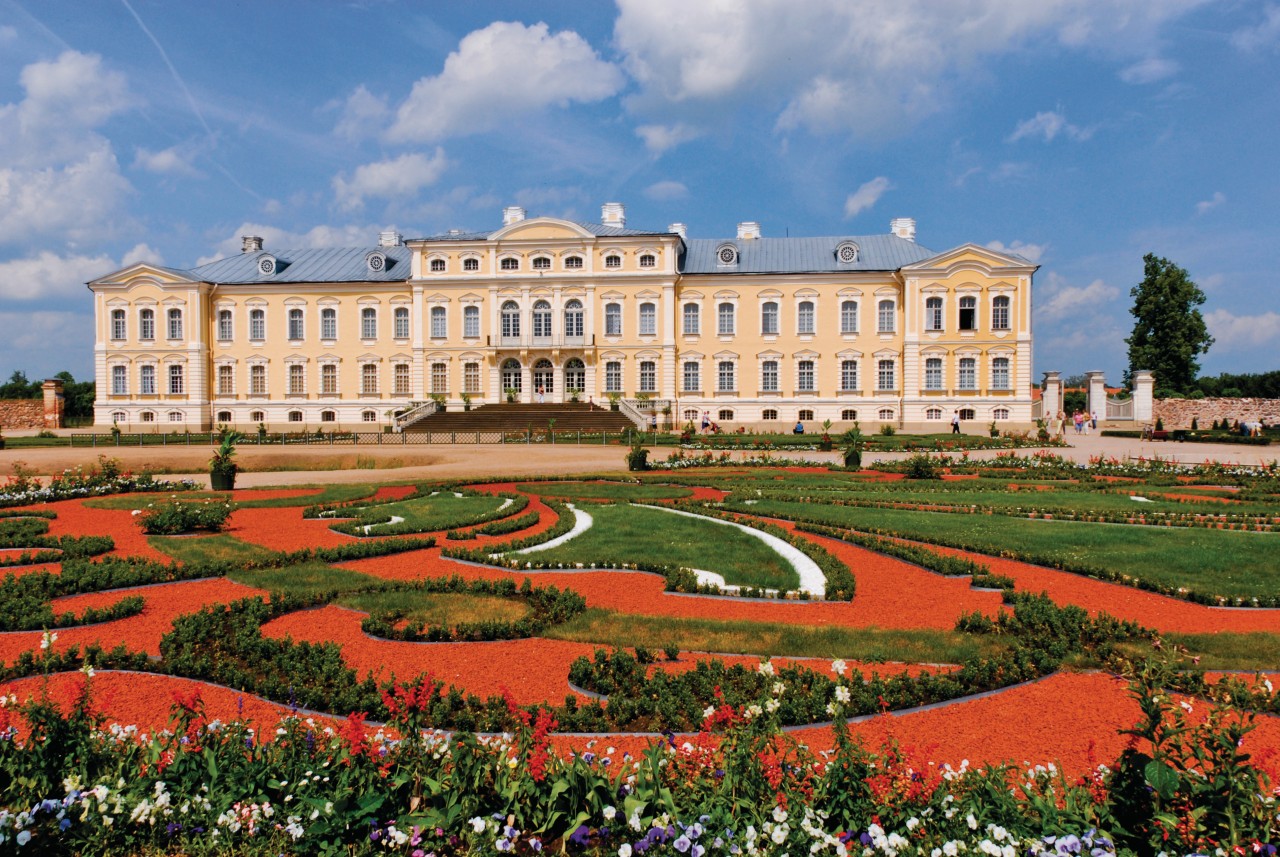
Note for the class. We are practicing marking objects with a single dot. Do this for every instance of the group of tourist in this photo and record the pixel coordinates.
(1084, 423)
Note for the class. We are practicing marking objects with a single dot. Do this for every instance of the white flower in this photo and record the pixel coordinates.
(842, 694)
(477, 824)
(625, 850)
(49, 638)
(839, 667)
(779, 834)
(779, 688)
(772, 705)
(609, 812)
(971, 821)
(950, 849)
(779, 814)
(766, 668)
(708, 711)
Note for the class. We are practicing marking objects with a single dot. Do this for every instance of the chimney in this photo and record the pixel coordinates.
(679, 229)
(749, 229)
(613, 214)
(390, 238)
(250, 243)
(903, 227)
(512, 214)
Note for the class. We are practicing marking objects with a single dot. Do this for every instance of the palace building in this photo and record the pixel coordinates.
(752, 330)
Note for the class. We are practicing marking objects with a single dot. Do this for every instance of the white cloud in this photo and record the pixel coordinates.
(1067, 301)
(398, 177)
(1237, 332)
(76, 202)
(1149, 70)
(173, 161)
(866, 196)
(48, 276)
(666, 190)
(1265, 35)
(141, 253)
(1048, 124)
(503, 70)
(1030, 252)
(36, 342)
(273, 237)
(1206, 205)
(363, 115)
(873, 66)
(660, 138)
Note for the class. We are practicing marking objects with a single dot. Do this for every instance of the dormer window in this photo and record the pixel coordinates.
(847, 253)
(648, 260)
(727, 254)
(541, 263)
(573, 263)
(267, 265)
(376, 262)
(613, 261)
(470, 264)
(437, 266)
(510, 263)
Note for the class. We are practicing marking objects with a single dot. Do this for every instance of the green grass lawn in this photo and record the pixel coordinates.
(308, 578)
(443, 511)
(448, 609)
(605, 490)
(343, 493)
(1211, 561)
(192, 550)
(625, 534)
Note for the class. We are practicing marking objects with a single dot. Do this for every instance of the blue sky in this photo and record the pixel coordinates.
(1080, 133)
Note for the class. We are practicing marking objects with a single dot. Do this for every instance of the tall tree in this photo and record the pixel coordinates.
(1169, 331)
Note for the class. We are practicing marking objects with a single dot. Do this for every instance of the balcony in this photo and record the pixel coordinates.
(525, 343)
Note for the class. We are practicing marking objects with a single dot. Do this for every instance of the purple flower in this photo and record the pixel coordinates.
(682, 844)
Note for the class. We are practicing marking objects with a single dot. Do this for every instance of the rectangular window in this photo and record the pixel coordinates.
(257, 324)
(368, 323)
(648, 320)
(725, 377)
(117, 324)
(147, 324)
(884, 317)
(968, 313)
(692, 376)
(258, 380)
(471, 377)
(849, 317)
(295, 325)
(613, 320)
(769, 318)
(691, 320)
(848, 375)
(1000, 313)
(968, 373)
(297, 379)
(175, 324)
(471, 322)
(119, 380)
(175, 379)
(769, 376)
(400, 379)
(804, 318)
(328, 323)
(724, 320)
(648, 376)
(1000, 373)
(885, 379)
(933, 373)
(226, 380)
(329, 379)
(613, 377)
(439, 377)
(148, 380)
(369, 379)
(224, 324)
(805, 377)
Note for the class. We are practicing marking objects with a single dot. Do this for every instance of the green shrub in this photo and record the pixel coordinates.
(922, 466)
(173, 517)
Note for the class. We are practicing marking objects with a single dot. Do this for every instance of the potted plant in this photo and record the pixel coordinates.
(992, 430)
(614, 399)
(575, 395)
(824, 443)
(223, 467)
(511, 393)
(466, 401)
(853, 444)
(439, 399)
(638, 458)
(666, 418)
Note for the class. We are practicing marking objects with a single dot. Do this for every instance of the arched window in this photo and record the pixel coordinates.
(573, 319)
(330, 416)
(933, 373)
(257, 416)
(175, 324)
(368, 323)
(328, 323)
(369, 416)
(805, 415)
(613, 261)
(648, 376)
(769, 376)
(573, 263)
(804, 317)
(933, 314)
(692, 321)
(400, 322)
(648, 319)
(725, 380)
(295, 416)
(1000, 313)
(224, 324)
(690, 414)
(806, 377)
(848, 415)
(613, 376)
(147, 416)
(647, 260)
(885, 316)
(769, 414)
(968, 376)
(470, 264)
(541, 319)
(224, 417)
(575, 375)
(933, 414)
(769, 317)
(510, 263)
(510, 319)
(1000, 414)
(176, 416)
(848, 375)
(119, 417)
(147, 324)
(471, 322)
(724, 319)
(725, 415)
(295, 324)
(541, 263)
(885, 414)
(512, 377)
(691, 376)
(437, 266)
(1000, 374)
(967, 413)
(848, 316)
(257, 324)
(968, 313)
(613, 319)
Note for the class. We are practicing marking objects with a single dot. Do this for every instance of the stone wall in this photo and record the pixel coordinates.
(21, 413)
(1178, 413)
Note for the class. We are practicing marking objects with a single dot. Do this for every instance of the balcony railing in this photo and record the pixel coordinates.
(554, 341)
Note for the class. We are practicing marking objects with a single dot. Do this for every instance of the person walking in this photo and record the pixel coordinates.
(1093, 419)
(955, 422)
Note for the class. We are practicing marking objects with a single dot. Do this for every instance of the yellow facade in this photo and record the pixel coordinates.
(760, 334)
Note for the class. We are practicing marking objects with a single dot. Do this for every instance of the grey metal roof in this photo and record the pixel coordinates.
(327, 265)
(597, 229)
(801, 255)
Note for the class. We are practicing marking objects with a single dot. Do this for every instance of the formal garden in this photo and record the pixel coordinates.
(722, 652)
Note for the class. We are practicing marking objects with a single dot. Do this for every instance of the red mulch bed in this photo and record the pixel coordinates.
(76, 519)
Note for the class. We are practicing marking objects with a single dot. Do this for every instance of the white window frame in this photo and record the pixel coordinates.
(119, 380)
(848, 317)
(886, 316)
(613, 319)
(471, 322)
(439, 322)
(933, 374)
(368, 322)
(691, 376)
(119, 324)
(257, 324)
(648, 376)
(296, 379)
(933, 314)
(226, 373)
(967, 373)
(769, 376)
(726, 376)
(1001, 312)
(886, 369)
(177, 379)
(146, 324)
(769, 315)
(1001, 373)
(174, 324)
(329, 373)
(296, 324)
(848, 376)
(402, 327)
(329, 323)
(258, 373)
(806, 376)
(691, 319)
(806, 317)
(726, 318)
(401, 379)
(147, 379)
(613, 376)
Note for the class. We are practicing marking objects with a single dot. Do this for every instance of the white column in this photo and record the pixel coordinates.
(1052, 398)
(1144, 384)
(1097, 393)
(417, 370)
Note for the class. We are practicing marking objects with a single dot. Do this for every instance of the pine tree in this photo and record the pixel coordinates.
(1170, 331)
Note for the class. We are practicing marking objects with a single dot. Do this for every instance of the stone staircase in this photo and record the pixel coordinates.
(568, 416)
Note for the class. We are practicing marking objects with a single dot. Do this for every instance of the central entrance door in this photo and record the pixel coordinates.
(511, 376)
(544, 377)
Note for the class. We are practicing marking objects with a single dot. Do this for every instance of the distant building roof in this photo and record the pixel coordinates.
(597, 229)
(327, 265)
(801, 255)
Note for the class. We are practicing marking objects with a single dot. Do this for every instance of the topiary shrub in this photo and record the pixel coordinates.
(922, 466)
